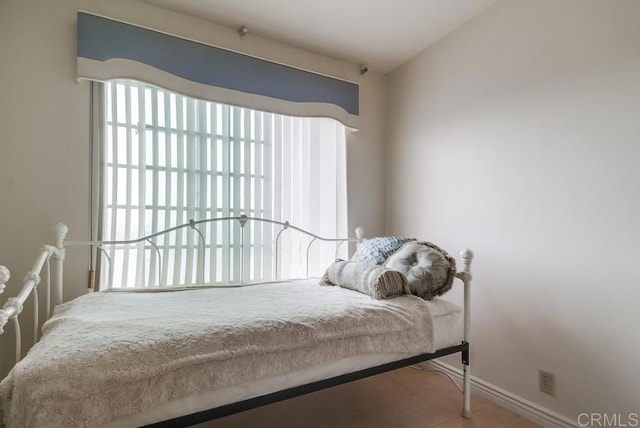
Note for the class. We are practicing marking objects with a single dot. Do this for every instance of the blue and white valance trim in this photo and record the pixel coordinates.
(109, 49)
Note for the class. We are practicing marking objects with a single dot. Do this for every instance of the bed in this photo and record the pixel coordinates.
(178, 356)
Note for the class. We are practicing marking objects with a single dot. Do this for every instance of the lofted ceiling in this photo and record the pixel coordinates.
(380, 33)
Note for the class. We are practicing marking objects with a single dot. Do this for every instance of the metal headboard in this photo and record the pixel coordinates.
(242, 220)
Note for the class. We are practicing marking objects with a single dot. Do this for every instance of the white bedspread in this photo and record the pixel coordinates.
(108, 355)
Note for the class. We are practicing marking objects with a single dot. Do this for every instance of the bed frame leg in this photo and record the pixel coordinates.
(465, 276)
(466, 383)
(466, 392)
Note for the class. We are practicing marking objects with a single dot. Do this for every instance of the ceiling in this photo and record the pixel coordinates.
(380, 33)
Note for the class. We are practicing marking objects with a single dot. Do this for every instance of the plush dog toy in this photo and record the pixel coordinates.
(429, 269)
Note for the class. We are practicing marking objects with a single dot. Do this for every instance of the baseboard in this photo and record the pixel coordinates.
(506, 399)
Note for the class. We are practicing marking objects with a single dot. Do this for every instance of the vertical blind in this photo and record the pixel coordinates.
(168, 158)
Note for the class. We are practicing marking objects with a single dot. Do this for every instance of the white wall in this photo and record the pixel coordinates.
(44, 128)
(518, 136)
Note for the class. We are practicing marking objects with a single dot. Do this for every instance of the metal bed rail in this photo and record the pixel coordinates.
(242, 220)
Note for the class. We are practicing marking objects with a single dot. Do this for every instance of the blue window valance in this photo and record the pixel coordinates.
(109, 49)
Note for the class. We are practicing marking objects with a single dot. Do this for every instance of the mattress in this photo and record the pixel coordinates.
(446, 318)
(106, 356)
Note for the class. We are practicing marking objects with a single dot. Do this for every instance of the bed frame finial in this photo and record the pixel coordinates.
(61, 231)
(359, 234)
(5, 274)
(467, 258)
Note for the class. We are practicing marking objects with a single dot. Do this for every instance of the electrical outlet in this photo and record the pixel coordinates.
(547, 382)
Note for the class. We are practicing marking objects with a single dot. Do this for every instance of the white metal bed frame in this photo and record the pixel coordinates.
(54, 296)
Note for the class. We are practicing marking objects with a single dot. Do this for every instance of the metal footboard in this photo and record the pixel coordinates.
(14, 305)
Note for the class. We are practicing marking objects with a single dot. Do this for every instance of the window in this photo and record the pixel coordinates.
(167, 158)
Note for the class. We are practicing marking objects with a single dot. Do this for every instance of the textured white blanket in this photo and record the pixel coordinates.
(108, 355)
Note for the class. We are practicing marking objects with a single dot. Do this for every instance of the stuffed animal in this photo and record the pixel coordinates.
(429, 270)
